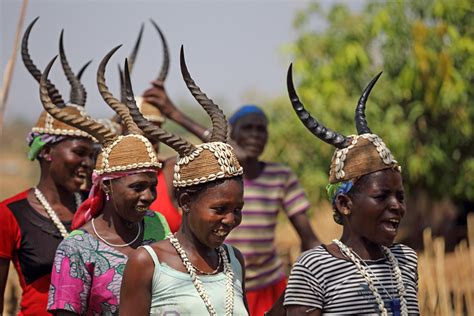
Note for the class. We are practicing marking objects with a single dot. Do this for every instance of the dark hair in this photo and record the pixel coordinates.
(195, 190)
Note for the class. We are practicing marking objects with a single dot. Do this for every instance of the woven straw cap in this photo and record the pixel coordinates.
(46, 124)
(208, 162)
(127, 152)
(149, 111)
(366, 153)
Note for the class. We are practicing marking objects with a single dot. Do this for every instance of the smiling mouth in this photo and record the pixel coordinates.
(221, 232)
(141, 209)
(81, 175)
(391, 225)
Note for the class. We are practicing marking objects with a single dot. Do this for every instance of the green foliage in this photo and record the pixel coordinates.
(421, 106)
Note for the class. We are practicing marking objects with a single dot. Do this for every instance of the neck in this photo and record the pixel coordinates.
(366, 249)
(116, 223)
(55, 194)
(191, 244)
(252, 168)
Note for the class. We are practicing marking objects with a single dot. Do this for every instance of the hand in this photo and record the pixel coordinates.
(158, 97)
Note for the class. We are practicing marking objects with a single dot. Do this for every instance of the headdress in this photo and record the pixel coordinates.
(46, 124)
(121, 155)
(355, 155)
(196, 163)
(246, 110)
(149, 111)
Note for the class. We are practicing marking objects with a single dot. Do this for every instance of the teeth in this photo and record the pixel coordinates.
(393, 220)
(141, 209)
(220, 233)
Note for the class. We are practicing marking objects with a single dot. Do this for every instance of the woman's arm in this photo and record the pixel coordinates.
(4, 266)
(135, 293)
(302, 226)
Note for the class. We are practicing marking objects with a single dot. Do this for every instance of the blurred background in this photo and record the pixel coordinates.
(239, 51)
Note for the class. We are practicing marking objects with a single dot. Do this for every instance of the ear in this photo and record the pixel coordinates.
(344, 204)
(105, 186)
(46, 152)
(184, 201)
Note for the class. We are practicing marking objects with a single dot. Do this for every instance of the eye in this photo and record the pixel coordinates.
(380, 197)
(401, 196)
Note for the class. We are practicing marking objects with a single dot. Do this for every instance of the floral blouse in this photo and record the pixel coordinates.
(87, 273)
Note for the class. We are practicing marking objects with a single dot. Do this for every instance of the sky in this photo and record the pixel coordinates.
(234, 49)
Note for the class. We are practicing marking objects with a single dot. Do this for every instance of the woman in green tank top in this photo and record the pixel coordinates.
(193, 271)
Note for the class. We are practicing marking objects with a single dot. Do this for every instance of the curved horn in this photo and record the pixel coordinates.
(325, 134)
(120, 108)
(166, 54)
(152, 131)
(83, 68)
(133, 55)
(219, 122)
(88, 125)
(34, 71)
(78, 93)
(360, 121)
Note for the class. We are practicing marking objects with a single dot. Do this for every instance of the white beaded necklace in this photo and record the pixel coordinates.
(116, 245)
(229, 274)
(51, 213)
(364, 272)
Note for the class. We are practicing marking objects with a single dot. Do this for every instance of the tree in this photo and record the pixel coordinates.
(422, 106)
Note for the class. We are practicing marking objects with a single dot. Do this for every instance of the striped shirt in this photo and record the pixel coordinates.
(277, 188)
(334, 285)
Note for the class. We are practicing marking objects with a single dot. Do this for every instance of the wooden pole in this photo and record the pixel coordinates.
(8, 74)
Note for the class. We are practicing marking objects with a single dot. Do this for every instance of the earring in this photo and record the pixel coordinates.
(48, 158)
(107, 196)
(346, 211)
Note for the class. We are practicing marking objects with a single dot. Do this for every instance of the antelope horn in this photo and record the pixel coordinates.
(166, 54)
(360, 121)
(318, 129)
(83, 68)
(85, 123)
(78, 93)
(152, 131)
(120, 108)
(219, 122)
(34, 71)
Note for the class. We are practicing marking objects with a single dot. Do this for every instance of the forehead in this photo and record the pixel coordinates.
(74, 142)
(230, 189)
(252, 119)
(136, 177)
(382, 179)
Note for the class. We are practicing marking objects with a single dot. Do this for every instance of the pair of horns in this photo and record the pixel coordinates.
(78, 93)
(183, 147)
(131, 59)
(327, 135)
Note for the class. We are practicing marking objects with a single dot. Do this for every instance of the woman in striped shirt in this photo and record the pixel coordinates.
(363, 272)
(268, 188)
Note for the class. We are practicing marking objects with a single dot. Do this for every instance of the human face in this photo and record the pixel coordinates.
(132, 195)
(215, 212)
(377, 207)
(251, 134)
(70, 162)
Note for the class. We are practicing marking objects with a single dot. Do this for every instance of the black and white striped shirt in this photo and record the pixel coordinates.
(335, 286)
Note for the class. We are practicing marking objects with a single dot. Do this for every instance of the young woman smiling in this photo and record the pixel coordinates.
(114, 220)
(193, 272)
(363, 272)
(36, 220)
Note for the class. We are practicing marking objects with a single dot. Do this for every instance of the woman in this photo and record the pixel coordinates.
(88, 265)
(270, 187)
(363, 272)
(193, 272)
(36, 220)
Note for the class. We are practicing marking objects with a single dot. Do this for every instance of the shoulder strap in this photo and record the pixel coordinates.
(152, 254)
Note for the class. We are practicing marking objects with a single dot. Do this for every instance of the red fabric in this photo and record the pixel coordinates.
(260, 301)
(93, 203)
(164, 205)
(35, 295)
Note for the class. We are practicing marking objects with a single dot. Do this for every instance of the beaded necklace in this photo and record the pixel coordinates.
(52, 214)
(229, 275)
(398, 306)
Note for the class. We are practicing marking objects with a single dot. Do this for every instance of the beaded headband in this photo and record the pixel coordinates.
(202, 163)
(46, 124)
(149, 111)
(127, 152)
(356, 155)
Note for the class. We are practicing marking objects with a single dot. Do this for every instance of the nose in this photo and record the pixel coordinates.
(148, 196)
(229, 219)
(397, 206)
(88, 162)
